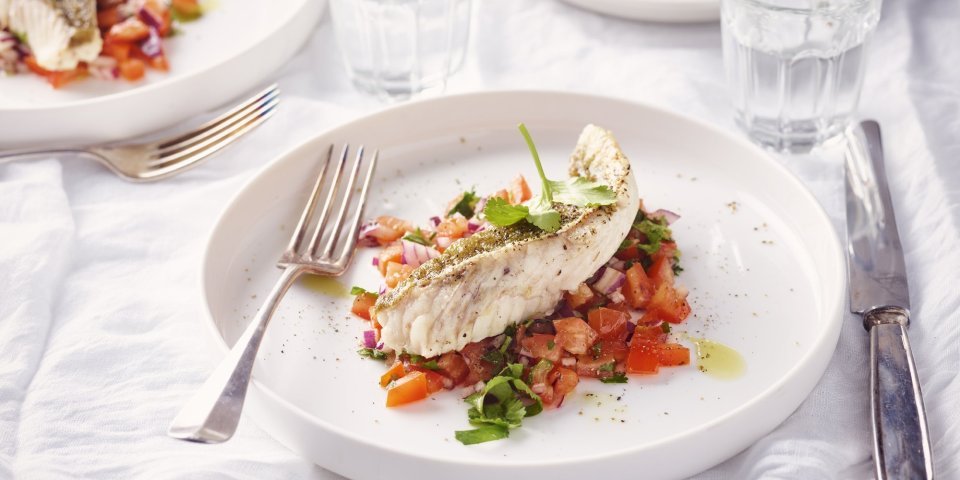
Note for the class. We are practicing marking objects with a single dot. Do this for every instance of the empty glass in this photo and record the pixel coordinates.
(397, 48)
(796, 67)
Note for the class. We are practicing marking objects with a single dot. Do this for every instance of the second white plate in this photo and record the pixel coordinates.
(761, 260)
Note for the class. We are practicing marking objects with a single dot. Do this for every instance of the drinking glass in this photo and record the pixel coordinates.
(398, 48)
(796, 67)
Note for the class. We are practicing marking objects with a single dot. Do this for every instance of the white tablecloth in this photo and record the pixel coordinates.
(99, 336)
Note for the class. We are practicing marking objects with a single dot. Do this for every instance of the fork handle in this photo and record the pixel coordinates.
(901, 442)
(212, 414)
(27, 154)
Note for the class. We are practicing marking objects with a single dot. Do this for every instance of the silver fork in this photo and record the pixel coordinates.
(145, 162)
(212, 414)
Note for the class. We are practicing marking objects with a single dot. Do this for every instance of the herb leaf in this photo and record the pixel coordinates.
(500, 213)
(502, 404)
(372, 353)
(582, 192)
(417, 236)
(487, 433)
(355, 290)
(465, 206)
(618, 377)
(655, 233)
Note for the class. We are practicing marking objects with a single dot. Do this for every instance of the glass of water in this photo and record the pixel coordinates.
(795, 67)
(397, 48)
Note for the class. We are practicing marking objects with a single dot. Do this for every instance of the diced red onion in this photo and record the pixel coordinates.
(617, 264)
(104, 68)
(610, 280)
(474, 226)
(150, 18)
(152, 46)
(481, 204)
(525, 352)
(369, 233)
(616, 297)
(383, 289)
(435, 221)
(568, 361)
(563, 311)
(415, 254)
(444, 242)
(375, 261)
(380, 346)
(667, 215)
(596, 276)
(369, 339)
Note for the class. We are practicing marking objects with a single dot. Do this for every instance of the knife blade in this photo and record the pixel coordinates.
(879, 293)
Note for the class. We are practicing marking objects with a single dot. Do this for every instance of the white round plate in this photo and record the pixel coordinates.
(761, 260)
(226, 53)
(667, 11)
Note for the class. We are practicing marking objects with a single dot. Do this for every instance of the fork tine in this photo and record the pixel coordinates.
(347, 254)
(197, 136)
(215, 138)
(272, 89)
(344, 203)
(297, 239)
(327, 204)
(171, 167)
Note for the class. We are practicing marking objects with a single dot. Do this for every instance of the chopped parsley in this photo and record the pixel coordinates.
(417, 236)
(465, 206)
(655, 233)
(551, 344)
(665, 327)
(596, 350)
(606, 367)
(501, 406)
(372, 353)
(539, 210)
(618, 377)
(355, 290)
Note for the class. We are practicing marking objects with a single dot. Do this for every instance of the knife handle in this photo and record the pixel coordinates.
(901, 444)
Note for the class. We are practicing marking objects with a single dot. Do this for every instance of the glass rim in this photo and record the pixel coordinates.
(815, 6)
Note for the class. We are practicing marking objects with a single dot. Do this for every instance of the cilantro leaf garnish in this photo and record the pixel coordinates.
(539, 210)
(465, 206)
(372, 353)
(417, 236)
(618, 377)
(655, 233)
(355, 290)
(501, 406)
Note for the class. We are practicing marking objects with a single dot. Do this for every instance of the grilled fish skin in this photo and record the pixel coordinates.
(61, 33)
(502, 276)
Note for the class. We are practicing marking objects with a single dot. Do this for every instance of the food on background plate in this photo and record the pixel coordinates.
(518, 297)
(66, 40)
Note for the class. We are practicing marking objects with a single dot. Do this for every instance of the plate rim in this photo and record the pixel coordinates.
(827, 340)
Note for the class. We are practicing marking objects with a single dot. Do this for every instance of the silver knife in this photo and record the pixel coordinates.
(878, 292)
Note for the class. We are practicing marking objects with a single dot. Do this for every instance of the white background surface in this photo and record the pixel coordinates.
(99, 343)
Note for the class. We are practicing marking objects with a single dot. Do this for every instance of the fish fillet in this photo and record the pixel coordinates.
(502, 276)
(60, 33)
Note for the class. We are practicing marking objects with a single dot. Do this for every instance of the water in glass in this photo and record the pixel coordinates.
(795, 67)
(397, 48)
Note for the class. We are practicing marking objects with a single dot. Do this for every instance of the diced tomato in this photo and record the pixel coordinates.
(615, 348)
(673, 354)
(661, 272)
(504, 194)
(608, 323)
(396, 273)
(519, 190)
(35, 67)
(644, 358)
(541, 345)
(638, 288)
(117, 50)
(667, 250)
(620, 307)
(435, 381)
(159, 14)
(362, 303)
(132, 69)
(411, 388)
(395, 372)
(390, 229)
(453, 367)
(159, 62)
(565, 383)
(631, 252)
(453, 227)
(392, 253)
(480, 369)
(667, 304)
(645, 333)
(130, 30)
(574, 335)
(583, 296)
(109, 17)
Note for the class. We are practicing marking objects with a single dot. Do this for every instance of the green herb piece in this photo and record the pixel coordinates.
(655, 233)
(665, 327)
(539, 210)
(417, 236)
(606, 367)
(625, 244)
(495, 358)
(465, 206)
(551, 344)
(355, 290)
(677, 269)
(541, 369)
(501, 406)
(372, 353)
(596, 350)
(618, 377)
